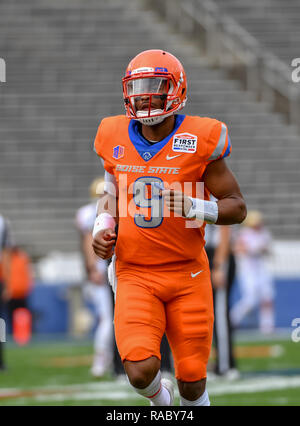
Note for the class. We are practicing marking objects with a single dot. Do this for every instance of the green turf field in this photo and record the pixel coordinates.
(57, 373)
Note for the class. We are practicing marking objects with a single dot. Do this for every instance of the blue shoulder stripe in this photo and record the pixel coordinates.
(227, 152)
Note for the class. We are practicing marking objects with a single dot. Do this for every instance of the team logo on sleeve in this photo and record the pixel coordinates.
(118, 152)
(185, 142)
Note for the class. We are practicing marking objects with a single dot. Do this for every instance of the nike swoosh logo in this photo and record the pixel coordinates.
(173, 156)
(196, 273)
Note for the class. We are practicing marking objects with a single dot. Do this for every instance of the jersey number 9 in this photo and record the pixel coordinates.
(145, 186)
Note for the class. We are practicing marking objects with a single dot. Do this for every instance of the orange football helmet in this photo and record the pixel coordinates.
(154, 73)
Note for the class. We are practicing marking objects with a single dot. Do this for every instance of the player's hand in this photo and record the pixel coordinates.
(218, 278)
(177, 201)
(103, 243)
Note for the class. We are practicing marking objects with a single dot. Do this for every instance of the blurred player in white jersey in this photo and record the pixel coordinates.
(96, 289)
(255, 280)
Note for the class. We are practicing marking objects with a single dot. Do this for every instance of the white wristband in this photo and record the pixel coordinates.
(103, 221)
(203, 210)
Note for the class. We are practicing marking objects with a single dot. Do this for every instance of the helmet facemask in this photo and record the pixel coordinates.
(150, 98)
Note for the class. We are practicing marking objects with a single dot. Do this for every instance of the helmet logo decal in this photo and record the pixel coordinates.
(160, 69)
(140, 70)
(147, 69)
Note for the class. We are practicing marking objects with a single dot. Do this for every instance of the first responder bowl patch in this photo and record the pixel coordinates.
(184, 142)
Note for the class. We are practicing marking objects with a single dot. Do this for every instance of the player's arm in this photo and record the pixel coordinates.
(222, 184)
(220, 181)
(87, 251)
(223, 248)
(220, 259)
(104, 234)
(91, 260)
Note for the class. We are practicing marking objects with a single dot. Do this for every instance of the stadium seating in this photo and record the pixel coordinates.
(275, 23)
(65, 60)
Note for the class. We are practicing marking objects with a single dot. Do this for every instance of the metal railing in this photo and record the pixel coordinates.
(230, 46)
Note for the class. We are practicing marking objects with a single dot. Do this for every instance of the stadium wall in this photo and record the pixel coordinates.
(51, 307)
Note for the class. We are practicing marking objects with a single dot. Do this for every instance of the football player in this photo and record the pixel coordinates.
(155, 161)
(96, 290)
(253, 246)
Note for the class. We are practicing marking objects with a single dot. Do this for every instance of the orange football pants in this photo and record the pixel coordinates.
(176, 299)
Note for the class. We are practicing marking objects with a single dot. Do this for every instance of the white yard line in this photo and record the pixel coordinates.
(117, 391)
(88, 396)
(261, 384)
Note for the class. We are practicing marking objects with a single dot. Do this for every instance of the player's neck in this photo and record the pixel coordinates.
(159, 131)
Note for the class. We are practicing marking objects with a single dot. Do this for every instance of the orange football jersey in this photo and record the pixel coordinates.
(148, 233)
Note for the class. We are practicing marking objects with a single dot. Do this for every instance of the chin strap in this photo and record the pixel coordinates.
(142, 117)
(150, 121)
